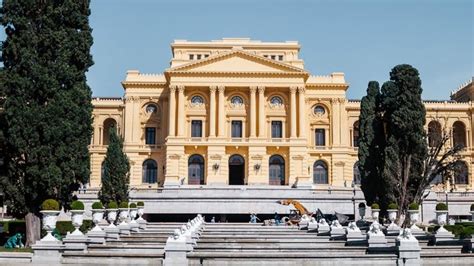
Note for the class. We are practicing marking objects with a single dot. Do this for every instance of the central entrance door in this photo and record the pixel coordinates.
(236, 170)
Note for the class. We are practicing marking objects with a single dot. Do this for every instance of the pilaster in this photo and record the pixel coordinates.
(212, 111)
(172, 110)
(293, 112)
(261, 112)
(221, 113)
(181, 111)
(302, 112)
(253, 112)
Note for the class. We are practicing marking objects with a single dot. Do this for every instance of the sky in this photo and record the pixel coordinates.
(364, 39)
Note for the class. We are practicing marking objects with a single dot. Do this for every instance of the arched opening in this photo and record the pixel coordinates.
(236, 170)
(150, 169)
(196, 170)
(108, 124)
(320, 173)
(460, 173)
(434, 133)
(459, 134)
(356, 171)
(277, 170)
(355, 134)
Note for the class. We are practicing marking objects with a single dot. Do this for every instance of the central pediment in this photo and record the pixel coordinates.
(236, 61)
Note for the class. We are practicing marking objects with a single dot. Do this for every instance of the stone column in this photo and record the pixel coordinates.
(261, 112)
(293, 111)
(302, 112)
(212, 112)
(221, 113)
(181, 115)
(253, 112)
(172, 112)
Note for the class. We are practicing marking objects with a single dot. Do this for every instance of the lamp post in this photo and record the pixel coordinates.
(353, 200)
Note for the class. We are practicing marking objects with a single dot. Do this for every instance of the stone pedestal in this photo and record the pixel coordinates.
(416, 231)
(175, 251)
(443, 235)
(112, 233)
(354, 235)
(323, 228)
(376, 237)
(337, 231)
(393, 229)
(47, 251)
(124, 229)
(312, 226)
(303, 225)
(96, 236)
(141, 223)
(75, 242)
(408, 249)
(134, 226)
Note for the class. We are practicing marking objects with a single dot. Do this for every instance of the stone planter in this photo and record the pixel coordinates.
(362, 213)
(111, 216)
(77, 217)
(414, 216)
(123, 215)
(97, 216)
(375, 214)
(140, 212)
(49, 224)
(133, 213)
(392, 215)
(441, 217)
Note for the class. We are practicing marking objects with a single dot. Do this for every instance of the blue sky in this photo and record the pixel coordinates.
(364, 39)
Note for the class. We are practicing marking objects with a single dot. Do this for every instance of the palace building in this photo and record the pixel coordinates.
(234, 125)
(243, 112)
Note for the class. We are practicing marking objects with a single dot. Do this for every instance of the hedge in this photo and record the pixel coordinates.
(458, 230)
(66, 226)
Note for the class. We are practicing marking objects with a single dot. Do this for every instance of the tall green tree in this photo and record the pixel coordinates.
(371, 144)
(115, 171)
(47, 106)
(393, 146)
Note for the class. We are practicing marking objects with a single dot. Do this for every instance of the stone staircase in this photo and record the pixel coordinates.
(254, 244)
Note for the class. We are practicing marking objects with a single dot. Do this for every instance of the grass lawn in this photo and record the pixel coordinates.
(2, 249)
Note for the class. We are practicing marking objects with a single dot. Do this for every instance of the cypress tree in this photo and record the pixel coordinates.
(116, 172)
(371, 143)
(406, 148)
(47, 106)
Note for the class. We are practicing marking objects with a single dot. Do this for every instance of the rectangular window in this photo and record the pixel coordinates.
(273, 57)
(320, 137)
(265, 55)
(206, 56)
(150, 135)
(280, 57)
(196, 128)
(191, 57)
(236, 129)
(198, 57)
(277, 129)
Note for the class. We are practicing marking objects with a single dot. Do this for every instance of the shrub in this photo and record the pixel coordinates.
(392, 206)
(123, 205)
(441, 207)
(361, 205)
(50, 205)
(140, 204)
(86, 226)
(77, 205)
(64, 226)
(133, 205)
(112, 205)
(413, 206)
(472, 207)
(375, 206)
(97, 205)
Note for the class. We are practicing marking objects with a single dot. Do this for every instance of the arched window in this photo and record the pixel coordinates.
(276, 100)
(237, 100)
(434, 134)
(355, 134)
(320, 173)
(319, 110)
(277, 170)
(150, 169)
(356, 174)
(197, 100)
(196, 170)
(151, 108)
(459, 134)
(460, 173)
(108, 124)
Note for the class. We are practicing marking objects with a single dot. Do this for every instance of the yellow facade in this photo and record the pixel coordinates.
(239, 111)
